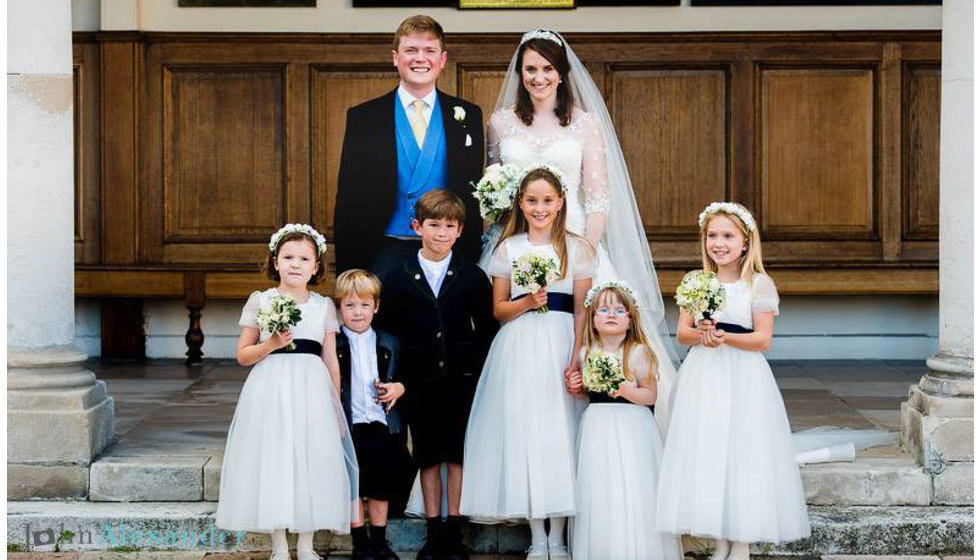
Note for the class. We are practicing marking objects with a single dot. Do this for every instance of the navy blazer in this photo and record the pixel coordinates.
(367, 182)
(387, 349)
(444, 335)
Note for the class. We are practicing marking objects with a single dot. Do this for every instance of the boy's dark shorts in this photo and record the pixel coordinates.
(377, 460)
(439, 411)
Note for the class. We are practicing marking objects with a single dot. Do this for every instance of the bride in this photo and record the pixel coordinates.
(550, 111)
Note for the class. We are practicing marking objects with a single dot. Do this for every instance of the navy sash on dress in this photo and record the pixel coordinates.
(303, 346)
(564, 303)
(733, 328)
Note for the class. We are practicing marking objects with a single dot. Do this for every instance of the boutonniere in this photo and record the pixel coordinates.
(459, 113)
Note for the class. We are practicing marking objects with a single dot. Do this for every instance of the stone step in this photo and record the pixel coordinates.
(190, 526)
(885, 477)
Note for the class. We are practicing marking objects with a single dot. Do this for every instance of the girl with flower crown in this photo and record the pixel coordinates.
(729, 470)
(520, 438)
(619, 447)
(289, 461)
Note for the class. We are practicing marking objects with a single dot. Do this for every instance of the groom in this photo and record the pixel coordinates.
(399, 146)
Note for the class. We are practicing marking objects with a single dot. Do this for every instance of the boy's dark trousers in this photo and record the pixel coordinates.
(387, 349)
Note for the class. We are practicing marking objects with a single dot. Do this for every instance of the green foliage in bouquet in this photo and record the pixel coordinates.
(700, 294)
(279, 316)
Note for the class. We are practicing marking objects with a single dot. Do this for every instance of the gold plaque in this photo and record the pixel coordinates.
(516, 4)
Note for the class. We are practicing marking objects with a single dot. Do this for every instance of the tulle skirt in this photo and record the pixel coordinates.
(729, 467)
(618, 465)
(284, 465)
(519, 457)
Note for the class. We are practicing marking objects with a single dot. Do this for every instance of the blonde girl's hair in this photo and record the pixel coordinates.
(635, 336)
(517, 224)
(751, 259)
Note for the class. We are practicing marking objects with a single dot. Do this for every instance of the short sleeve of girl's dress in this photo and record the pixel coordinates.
(330, 323)
(582, 258)
(250, 311)
(764, 295)
(499, 262)
(643, 362)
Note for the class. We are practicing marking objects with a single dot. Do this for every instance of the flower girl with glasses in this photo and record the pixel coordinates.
(520, 439)
(289, 461)
(619, 448)
(729, 470)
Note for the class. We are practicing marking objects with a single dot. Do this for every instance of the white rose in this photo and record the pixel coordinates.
(459, 113)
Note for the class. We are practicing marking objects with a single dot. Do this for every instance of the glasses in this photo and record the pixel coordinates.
(607, 311)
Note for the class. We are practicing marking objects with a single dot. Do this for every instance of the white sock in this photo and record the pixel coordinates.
(304, 542)
(557, 534)
(538, 534)
(279, 543)
(721, 550)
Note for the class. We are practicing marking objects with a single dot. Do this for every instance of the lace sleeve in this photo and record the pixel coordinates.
(594, 167)
(499, 263)
(493, 138)
(250, 311)
(764, 295)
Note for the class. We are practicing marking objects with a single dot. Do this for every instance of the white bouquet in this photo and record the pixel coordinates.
(281, 314)
(700, 294)
(534, 272)
(495, 191)
(603, 372)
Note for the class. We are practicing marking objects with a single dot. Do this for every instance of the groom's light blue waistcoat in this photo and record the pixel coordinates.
(419, 170)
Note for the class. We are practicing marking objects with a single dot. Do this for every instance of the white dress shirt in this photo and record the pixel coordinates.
(435, 271)
(363, 373)
(407, 99)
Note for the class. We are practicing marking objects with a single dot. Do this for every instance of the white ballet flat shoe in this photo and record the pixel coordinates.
(721, 551)
(307, 555)
(739, 551)
(558, 551)
(538, 551)
(279, 555)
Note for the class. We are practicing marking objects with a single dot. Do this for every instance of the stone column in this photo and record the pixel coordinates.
(937, 420)
(58, 414)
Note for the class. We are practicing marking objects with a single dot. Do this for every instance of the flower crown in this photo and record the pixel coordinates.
(728, 208)
(597, 289)
(541, 34)
(305, 229)
(547, 167)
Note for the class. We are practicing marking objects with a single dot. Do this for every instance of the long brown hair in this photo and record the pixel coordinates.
(517, 223)
(750, 262)
(635, 336)
(555, 54)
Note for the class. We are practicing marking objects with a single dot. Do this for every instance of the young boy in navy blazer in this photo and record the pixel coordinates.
(369, 389)
(440, 306)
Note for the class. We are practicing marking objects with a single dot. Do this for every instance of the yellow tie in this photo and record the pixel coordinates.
(418, 122)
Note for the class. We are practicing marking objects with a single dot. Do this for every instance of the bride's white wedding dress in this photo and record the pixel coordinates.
(577, 150)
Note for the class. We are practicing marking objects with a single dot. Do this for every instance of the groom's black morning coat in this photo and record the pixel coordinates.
(367, 185)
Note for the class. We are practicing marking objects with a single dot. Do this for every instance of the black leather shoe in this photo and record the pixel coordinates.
(457, 553)
(384, 552)
(362, 554)
(429, 551)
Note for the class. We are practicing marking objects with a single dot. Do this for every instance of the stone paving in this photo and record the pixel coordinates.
(172, 421)
(164, 406)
